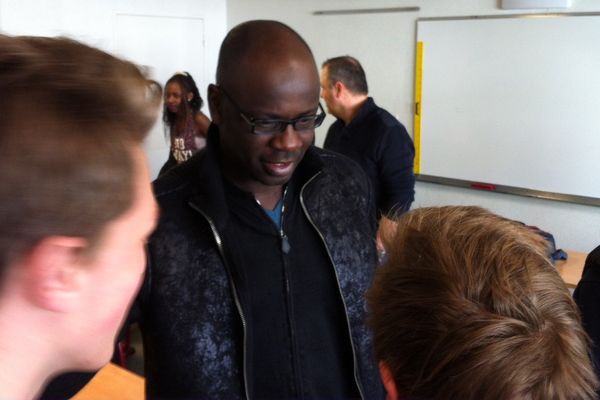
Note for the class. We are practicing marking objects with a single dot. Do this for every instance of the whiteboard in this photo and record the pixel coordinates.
(512, 101)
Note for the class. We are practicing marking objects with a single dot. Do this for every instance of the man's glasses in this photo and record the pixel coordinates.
(275, 126)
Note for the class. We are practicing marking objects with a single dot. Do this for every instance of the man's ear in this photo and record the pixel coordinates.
(388, 381)
(214, 103)
(339, 88)
(53, 273)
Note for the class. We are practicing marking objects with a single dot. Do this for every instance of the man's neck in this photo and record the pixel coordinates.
(269, 197)
(352, 107)
(266, 195)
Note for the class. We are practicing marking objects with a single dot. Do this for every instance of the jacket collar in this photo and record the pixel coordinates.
(209, 194)
(365, 109)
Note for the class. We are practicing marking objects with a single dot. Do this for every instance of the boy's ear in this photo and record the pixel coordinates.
(388, 381)
(54, 274)
(214, 103)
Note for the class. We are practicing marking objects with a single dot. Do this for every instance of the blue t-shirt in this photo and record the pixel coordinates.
(275, 213)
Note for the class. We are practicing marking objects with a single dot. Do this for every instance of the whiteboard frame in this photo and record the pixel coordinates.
(521, 15)
(482, 186)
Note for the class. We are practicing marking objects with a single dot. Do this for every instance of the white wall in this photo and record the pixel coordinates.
(385, 45)
(100, 23)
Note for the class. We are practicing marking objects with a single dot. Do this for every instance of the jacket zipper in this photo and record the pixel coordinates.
(358, 385)
(285, 244)
(285, 248)
(235, 295)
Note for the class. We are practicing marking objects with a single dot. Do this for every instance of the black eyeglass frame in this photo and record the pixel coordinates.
(281, 124)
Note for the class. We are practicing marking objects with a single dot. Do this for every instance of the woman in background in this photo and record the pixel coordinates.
(187, 125)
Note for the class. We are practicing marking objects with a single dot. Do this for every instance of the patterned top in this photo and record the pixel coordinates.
(188, 143)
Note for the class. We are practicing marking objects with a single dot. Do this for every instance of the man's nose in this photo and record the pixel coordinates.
(288, 140)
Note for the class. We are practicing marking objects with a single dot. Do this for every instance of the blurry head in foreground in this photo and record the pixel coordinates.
(468, 306)
(75, 205)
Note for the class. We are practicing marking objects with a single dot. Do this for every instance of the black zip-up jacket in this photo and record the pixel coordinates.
(193, 326)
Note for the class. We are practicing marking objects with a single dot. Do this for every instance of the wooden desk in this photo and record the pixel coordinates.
(113, 383)
(571, 269)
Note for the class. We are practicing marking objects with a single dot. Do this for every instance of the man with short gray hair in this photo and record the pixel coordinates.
(369, 135)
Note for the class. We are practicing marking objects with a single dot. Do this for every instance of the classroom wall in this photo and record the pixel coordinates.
(383, 42)
(385, 45)
(137, 30)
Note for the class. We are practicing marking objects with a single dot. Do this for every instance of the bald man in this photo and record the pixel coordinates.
(264, 247)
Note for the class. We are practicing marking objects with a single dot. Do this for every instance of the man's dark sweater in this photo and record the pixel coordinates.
(382, 147)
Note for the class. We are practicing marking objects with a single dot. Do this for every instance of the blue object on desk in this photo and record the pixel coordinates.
(559, 255)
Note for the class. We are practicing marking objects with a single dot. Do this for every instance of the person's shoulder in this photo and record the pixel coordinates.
(389, 120)
(334, 130)
(383, 122)
(202, 122)
(178, 181)
(336, 125)
(340, 166)
(341, 183)
(333, 159)
(591, 270)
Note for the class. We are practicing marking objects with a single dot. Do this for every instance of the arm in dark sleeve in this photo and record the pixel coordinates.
(587, 297)
(395, 167)
(330, 139)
